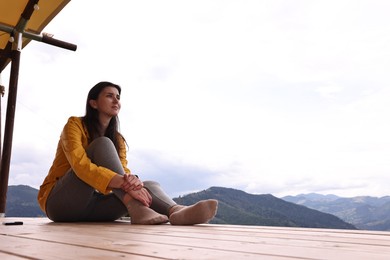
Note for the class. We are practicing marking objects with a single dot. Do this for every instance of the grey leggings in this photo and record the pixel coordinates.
(71, 199)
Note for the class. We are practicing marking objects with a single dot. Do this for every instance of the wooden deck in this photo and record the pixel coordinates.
(39, 238)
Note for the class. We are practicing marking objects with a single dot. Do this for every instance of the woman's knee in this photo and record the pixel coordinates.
(102, 141)
(99, 147)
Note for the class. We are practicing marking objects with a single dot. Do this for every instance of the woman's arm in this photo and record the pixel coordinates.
(74, 141)
(127, 182)
(133, 187)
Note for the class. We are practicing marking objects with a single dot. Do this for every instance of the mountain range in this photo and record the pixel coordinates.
(22, 202)
(364, 212)
(235, 207)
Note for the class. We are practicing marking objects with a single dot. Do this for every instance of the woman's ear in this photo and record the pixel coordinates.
(93, 103)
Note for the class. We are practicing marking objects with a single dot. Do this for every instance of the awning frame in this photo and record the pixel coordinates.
(12, 53)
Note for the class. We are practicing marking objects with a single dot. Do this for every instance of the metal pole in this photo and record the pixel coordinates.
(2, 90)
(14, 54)
(13, 86)
(10, 119)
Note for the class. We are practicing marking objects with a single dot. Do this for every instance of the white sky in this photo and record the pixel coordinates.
(280, 97)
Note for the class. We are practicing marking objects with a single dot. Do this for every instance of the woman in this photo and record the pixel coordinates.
(89, 179)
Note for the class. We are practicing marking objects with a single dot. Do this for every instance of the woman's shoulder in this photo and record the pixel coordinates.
(75, 119)
(74, 124)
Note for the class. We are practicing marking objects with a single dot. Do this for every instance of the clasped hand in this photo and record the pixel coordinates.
(135, 188)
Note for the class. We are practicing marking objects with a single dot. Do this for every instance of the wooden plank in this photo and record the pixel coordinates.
(39, 249)
(358, 238)
(55, 250)
(202, 241)
(124, 247)
(11, 256)
(224, 243)
(212, 232)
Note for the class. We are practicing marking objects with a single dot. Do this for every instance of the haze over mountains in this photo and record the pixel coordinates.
(240, 208)
(364, 212)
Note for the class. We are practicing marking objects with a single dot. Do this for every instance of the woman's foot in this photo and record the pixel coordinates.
(142, 215)
(199, 213)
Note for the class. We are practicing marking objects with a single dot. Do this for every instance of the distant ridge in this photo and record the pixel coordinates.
(240, 208)
(22, 202)
(364, 212)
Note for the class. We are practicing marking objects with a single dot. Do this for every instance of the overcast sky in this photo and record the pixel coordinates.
(280, 97)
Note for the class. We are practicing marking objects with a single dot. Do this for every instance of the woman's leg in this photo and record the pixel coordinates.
(198, 213)
(73, 200)
(102, 152)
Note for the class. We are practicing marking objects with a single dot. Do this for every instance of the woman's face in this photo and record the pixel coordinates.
(108, 102)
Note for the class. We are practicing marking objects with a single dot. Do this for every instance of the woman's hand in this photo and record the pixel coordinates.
(131, 182)
(141, 195)
(135, 188)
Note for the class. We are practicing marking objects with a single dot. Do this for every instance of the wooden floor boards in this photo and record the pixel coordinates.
(39, 238)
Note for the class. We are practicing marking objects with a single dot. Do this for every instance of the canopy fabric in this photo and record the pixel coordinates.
(10, 14)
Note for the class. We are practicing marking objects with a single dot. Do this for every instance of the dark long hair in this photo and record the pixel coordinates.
(91, 118)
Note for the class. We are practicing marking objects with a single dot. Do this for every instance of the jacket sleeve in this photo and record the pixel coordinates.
(74, 141)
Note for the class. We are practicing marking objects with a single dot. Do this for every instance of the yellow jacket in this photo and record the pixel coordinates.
(71, 153)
